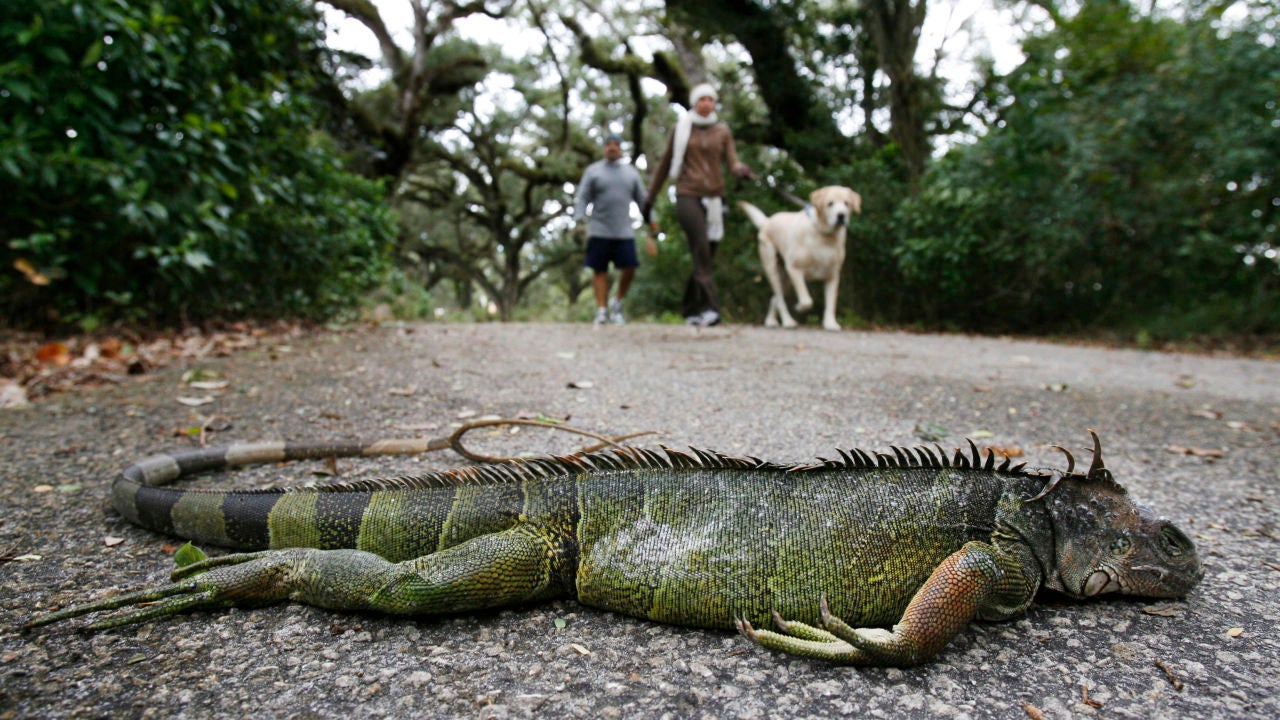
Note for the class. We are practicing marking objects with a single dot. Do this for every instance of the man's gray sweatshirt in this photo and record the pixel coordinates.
(609, 187)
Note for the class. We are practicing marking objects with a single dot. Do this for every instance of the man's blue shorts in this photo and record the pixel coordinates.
(601, 251)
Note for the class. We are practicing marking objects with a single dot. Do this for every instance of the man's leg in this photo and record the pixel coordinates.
(624, 281)
(600, 283)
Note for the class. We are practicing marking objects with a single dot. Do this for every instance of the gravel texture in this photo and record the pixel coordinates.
(1196, 438)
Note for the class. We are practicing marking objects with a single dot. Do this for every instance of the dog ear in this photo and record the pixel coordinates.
(855, 202)
(815, 197)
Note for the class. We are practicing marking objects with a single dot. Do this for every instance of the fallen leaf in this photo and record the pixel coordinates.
(1084, 698)
(579, 649)
(1237, 425)
(12, 395)
(406, 391)
(1168, 672)
(1163, 610)
(111, 348)
(42, 489)
(188, 554)
(930, 432)
(1009, 451)
(1235, 632)
(194, 401)
(210, 384)
(112, 540)
(29, 557)
(1033, 712)
(1206, 413)
(979, 434)
(1196, 452)
(582, 385)
(54, 353)
(196, 375)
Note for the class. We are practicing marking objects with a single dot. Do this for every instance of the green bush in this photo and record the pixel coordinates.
(160, 162)
(1130, 183)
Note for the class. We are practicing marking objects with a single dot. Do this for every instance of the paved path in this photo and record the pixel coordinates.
(775, 394)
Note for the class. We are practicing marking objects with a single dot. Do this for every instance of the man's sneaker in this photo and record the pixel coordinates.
(602, 316)
(709, 318)
(615, 312)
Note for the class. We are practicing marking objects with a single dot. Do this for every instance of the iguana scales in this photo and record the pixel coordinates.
(832, 552)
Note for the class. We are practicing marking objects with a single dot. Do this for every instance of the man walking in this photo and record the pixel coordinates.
(609, 186)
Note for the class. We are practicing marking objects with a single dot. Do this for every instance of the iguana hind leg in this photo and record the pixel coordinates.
(239, 579)
(961, 586)
(503, 568)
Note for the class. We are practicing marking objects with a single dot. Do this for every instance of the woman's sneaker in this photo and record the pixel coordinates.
(602, 316)
(615, 312)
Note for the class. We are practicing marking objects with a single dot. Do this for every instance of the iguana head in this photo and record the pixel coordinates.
(1104, 543)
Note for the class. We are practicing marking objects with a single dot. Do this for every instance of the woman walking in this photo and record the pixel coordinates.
(696, 153)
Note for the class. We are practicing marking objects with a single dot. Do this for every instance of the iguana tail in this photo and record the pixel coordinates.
(227, 518)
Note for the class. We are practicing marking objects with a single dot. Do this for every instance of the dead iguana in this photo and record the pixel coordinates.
(831, 552)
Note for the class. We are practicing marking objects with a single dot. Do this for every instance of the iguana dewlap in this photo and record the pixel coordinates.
(831, 554)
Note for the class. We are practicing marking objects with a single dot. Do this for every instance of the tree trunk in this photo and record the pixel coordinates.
(793, 108)
(894, 27)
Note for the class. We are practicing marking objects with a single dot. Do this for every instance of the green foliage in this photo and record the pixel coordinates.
(1130, 180)
(159, 162)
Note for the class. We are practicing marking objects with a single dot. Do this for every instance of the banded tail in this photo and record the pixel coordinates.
(235, 518)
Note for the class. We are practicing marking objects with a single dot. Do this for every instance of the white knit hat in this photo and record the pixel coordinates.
(700, 91)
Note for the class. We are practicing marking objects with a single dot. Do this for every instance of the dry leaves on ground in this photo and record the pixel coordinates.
(32, 367)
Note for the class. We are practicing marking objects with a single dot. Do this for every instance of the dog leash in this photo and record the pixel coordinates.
(786, 195)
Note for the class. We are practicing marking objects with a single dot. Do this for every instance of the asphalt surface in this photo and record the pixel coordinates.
(1195, 438)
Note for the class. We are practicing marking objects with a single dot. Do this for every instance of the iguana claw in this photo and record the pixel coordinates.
(801, 638)
(241, 578)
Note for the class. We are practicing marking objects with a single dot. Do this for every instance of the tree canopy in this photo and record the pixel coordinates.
(190, 160)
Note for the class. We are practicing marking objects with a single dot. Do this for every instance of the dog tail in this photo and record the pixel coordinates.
(757, 216)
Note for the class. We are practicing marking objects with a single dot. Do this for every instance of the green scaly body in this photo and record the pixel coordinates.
(692, 538)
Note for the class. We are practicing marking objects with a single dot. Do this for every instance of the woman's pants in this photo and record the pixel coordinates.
(700, 291)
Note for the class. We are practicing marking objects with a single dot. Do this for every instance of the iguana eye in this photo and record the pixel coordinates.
(1120, 545)
(1175, 543)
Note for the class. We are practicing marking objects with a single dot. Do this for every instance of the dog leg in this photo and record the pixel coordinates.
(803, 300)
(777, 306)
(832, 289)
(781, 305)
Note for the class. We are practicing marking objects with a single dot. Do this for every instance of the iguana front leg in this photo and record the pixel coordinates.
(504, 568)
(975, 580)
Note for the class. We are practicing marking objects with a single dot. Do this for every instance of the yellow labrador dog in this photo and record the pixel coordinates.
(811, 245)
